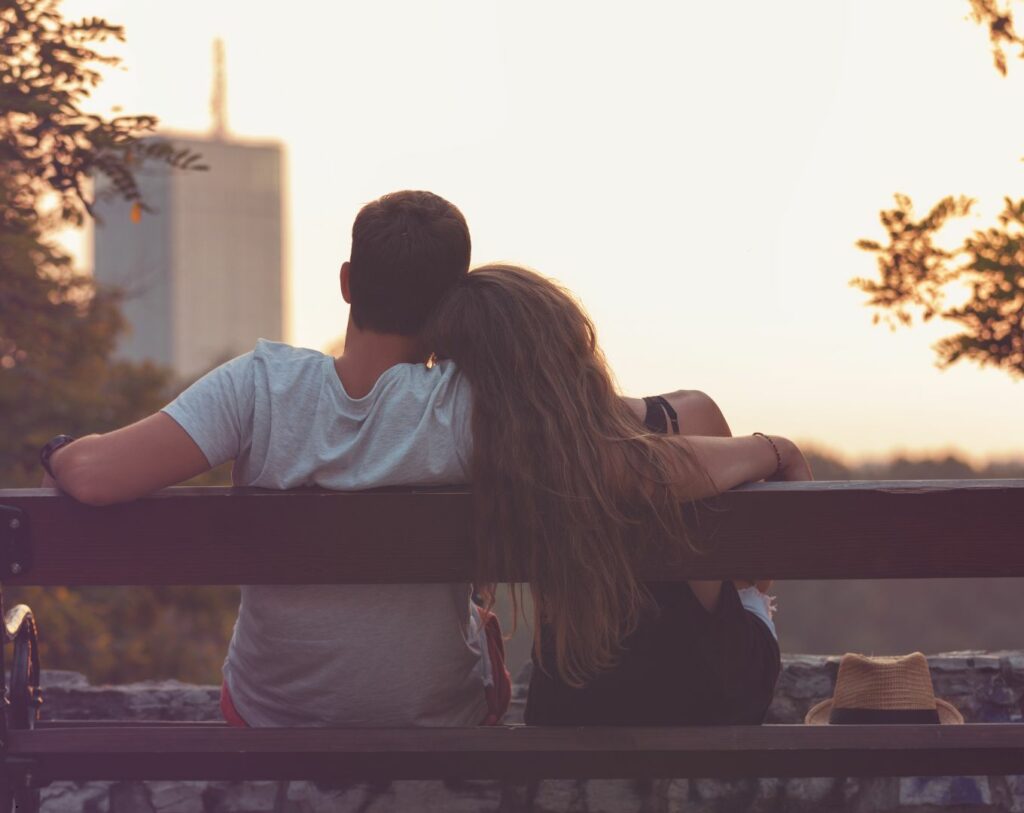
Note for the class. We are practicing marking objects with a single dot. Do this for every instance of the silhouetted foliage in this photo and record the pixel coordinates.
(58, 332)
(916, 274)
(829, 467)
(996, 14)
(57, 329)
(826, 467)
(48, 68)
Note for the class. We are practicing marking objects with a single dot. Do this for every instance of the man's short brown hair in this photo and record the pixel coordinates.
(408, 249)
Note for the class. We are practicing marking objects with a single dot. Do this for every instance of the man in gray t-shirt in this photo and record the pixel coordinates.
(376, 416)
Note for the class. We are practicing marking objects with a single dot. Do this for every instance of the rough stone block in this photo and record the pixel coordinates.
(521, 682)
(70, 697)
(558, 796)
(676, 793)
(1013, 795)
(768, 794)
(75, 797)
(945, 791)
(870, 795)
(433, 796)
(804, 680)
(62, 679)
(850, 791)
(177, 797)
(516, 711)
(963, 660)
(615, 795)
(128, 797)
(242, 797)
(807, 676)
(309, 797)
(810, 791)
(725, 791)
(1013, 666)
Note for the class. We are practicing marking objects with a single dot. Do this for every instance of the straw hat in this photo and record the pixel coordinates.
(883, 690)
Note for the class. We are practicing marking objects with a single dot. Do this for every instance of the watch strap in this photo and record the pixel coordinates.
(52, 446)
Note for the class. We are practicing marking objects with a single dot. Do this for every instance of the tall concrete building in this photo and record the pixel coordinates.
(203, 274)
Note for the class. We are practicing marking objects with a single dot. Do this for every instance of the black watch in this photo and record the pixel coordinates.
(47, 451)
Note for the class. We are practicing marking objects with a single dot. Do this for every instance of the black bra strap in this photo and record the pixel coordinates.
(657, 410)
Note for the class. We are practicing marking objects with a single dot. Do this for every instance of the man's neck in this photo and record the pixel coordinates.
(368, 354)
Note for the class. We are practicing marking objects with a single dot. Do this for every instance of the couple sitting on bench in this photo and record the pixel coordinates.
(491, 377)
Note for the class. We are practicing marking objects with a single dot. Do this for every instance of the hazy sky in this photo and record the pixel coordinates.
(696, 172)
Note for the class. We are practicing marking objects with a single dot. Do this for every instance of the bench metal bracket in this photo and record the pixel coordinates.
(15, 542)
(16, 788)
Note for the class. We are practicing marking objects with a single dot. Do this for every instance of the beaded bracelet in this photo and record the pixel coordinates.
(778, 457)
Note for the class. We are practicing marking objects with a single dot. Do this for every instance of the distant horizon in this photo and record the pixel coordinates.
(809, 445)
(697, 176)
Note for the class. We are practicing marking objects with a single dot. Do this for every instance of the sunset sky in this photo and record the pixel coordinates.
(696, 172)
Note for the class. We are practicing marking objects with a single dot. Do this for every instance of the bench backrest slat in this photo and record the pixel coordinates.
(854, 530)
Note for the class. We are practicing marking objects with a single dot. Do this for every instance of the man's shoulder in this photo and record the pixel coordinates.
(281, 352)
(440, 380)
(288, 372)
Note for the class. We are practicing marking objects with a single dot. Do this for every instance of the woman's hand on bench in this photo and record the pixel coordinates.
(795, 467)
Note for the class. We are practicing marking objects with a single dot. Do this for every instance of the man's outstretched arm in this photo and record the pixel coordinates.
(127, 463)
(202, 428)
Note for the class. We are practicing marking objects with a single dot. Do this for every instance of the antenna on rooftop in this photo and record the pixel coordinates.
(219, 97)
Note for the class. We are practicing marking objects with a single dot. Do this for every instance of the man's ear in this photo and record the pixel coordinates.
(346, 292)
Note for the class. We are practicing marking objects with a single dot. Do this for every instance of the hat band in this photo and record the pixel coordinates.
(875, 716)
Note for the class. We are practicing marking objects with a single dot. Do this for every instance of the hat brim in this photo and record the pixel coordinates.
(948, 714)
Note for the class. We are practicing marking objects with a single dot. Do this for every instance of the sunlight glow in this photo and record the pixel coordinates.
(696, 173)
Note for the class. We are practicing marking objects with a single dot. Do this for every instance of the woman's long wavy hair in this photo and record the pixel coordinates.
(569, 489)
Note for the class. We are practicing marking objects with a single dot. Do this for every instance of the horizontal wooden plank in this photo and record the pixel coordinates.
(516, 752)
(859, 530)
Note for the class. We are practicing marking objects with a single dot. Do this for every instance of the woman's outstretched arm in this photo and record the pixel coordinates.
(699, 415)
(728, 461)
(697, 411)
(731, 462)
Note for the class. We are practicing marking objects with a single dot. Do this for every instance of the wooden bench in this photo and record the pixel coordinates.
(858, 530)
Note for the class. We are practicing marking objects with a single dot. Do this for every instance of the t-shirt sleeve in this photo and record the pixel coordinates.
(217, 410)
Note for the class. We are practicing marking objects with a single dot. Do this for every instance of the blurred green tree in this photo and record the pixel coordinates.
(57, 328)
(916, 274)
(58, 331)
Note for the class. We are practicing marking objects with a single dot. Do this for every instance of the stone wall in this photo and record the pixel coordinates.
(986, 687)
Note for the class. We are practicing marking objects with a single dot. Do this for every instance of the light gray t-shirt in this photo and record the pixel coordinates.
(343, 655)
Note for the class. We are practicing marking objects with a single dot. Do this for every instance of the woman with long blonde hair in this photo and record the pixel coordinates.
(571, 489)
